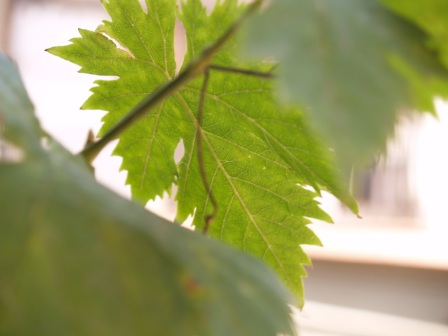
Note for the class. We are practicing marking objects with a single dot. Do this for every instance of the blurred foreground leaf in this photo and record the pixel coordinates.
(431, 16)
(76, 259)
(352, 64)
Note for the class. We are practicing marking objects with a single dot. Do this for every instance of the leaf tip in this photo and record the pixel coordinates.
(50, 50)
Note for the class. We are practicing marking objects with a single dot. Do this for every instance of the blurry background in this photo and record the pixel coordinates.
(393, 261)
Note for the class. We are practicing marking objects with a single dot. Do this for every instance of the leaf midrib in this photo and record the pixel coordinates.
(229, 180)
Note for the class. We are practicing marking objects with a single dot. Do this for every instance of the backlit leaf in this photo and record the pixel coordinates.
(261, 159)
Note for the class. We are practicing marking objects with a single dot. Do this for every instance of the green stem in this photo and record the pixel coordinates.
(208, 218)
(194, 69)
(242, 71)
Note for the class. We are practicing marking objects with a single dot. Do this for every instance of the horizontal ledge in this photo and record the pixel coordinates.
(409, 247)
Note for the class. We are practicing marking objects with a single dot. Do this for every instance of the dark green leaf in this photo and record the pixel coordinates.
(76, 259)
(352, 64)
(17, 124)
(431, 16)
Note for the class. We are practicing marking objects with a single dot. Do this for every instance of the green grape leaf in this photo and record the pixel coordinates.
(352, 64)
(260, 158)
(431, 16)
(76, 259)
(18, 126)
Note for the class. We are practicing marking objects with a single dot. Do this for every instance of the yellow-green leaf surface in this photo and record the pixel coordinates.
(76, 259)
(260, 159)
(352, 64)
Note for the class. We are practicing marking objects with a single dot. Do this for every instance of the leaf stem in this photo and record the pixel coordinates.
(208, 218)
(242, 71)
(194, 69)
